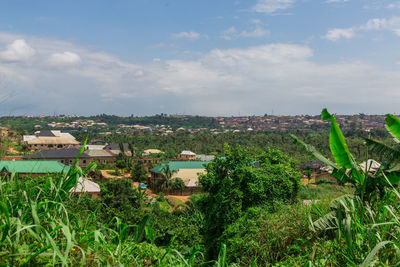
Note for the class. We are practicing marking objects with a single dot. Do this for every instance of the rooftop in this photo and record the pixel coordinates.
(187, 152)
(116, 147)
(30, 166)
(56, 154)
(85, 185)
(175, 166)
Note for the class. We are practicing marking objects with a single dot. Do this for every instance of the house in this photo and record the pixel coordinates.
(370, 165)
(202, 157)
(316, 170)
(50, 140)
(188, 171)
(116, 149)
(94, 147)
(84, 186)
(64, 156)
(32, 167)
(187, 155)
(101, 156)
(148, 152)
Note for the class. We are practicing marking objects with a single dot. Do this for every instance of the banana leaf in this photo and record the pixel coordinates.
(383, 149)
(311, 149)
(337, 143)
(393, 126)
(339, 149)
(338, 173)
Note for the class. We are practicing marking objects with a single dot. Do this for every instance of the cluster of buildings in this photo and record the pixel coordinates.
(305, 122)
(54, 151)
(76, 124)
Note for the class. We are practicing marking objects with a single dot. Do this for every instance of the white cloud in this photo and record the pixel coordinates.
(233, 33)
(189, 35)
(336, 34)
(271, 6)
(252, 80)
(375, 24)
(64, 59)
(392, 24)
(18, 50)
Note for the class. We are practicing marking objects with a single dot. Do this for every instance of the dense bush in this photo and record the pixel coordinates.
(267, 238)
(324, 181)
(177, 184)
(238, 181)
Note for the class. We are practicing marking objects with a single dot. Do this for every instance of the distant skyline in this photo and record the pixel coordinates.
(214, 58)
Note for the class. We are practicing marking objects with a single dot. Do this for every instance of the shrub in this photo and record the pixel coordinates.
(178, 184)
(120, 164)
(325, 181)
(268, 237)
(238, 181)
(138, 173)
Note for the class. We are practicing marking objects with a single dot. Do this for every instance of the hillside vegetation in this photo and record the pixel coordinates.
(252, 213)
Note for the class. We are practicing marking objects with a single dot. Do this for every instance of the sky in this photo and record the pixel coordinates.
(199, 57)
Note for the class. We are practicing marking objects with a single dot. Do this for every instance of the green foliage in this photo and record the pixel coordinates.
(115, 172)
(366, 225)
(323, 191)
(235, 183)
(165, 183)
(121, 200)
(38, 229)
(324, 181)
(268, 238)
(120, 164)
(138, 173)
(337, 143)
(177, 184)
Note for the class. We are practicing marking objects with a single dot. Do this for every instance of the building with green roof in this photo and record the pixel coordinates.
(175, 166)
(32, 167)
(188, 171)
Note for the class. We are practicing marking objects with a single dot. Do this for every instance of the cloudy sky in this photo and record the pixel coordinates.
(206, 57)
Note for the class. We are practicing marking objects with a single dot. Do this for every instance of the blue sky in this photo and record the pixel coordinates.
(199, 57)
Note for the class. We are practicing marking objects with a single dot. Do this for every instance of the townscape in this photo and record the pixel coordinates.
(105, 124)
(128, 166)
(202, 133)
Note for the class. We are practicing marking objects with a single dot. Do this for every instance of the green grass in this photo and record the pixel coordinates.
(323, 191)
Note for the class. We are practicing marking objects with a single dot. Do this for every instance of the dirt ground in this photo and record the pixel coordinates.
(106, 175)
(12, 150)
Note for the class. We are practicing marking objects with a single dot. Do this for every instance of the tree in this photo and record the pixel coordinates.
(138, 173)
(238, 181)
(178, 184)
(165, 182)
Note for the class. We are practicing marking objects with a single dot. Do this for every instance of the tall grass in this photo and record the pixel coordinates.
(36, 229)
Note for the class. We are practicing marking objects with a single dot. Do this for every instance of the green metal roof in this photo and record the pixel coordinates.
(175, 166)
(33, 166)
